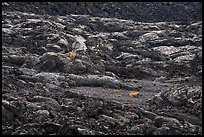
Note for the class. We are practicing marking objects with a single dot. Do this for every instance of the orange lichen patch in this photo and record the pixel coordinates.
(116, 90)
(133, 93)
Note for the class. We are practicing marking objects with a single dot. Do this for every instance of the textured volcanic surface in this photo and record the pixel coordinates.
(101, 68)
(138, 11)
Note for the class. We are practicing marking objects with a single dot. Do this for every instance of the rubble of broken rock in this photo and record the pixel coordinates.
(44, 91)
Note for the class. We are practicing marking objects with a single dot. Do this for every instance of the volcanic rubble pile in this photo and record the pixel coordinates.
(38, 73)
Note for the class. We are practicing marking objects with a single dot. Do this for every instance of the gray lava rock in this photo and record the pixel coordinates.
(148, 37)
(148, 129)
(161, 120)
(49, 77)
(110, 120)
(177, 98)
(18, 60)
(53, 48)
(78, 66)
(156, 99)
(94, 80)
(29, 72)
(13, 108)
(51, 61)
(49, 103)
(7, 114)
(75, 130)
(41, 115)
